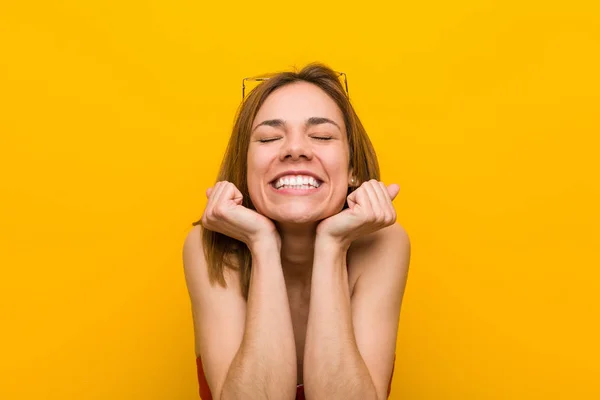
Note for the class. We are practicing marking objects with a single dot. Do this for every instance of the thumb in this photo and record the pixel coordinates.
(393, 190)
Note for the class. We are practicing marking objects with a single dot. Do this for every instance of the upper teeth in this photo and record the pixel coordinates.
(296, 180)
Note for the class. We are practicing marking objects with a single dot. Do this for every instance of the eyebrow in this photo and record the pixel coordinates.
(278, 123)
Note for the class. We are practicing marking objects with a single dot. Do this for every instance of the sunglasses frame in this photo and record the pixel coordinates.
(262, 78)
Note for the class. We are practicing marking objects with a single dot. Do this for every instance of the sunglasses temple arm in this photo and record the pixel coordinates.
(244, 85)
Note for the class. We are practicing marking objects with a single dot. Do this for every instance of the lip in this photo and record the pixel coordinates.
(297, 172)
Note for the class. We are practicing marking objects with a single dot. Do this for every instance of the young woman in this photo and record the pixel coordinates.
(297, 269)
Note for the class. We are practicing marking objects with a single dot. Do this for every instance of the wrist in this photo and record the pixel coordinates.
(331, 244)
(271, 243)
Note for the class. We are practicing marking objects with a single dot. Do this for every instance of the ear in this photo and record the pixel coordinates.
(351, 179)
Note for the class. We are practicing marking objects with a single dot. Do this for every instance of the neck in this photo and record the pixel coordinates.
(297, 252)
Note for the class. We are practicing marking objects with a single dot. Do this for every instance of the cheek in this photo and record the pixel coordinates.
(257, 165)
(335, 157)
(259, 157)
(254, 186)
(255, 175)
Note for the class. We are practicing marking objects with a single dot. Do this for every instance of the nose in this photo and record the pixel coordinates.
(296, 145)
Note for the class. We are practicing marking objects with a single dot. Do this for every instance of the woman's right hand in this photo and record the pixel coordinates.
(225, 214)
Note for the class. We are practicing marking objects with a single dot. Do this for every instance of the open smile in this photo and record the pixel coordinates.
(297, 190)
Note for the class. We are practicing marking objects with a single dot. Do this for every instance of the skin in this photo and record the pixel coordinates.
(301, 220)
(298, 148)
(301, 244)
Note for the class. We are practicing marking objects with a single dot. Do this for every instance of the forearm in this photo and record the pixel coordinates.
(333, 366)
(265, 365)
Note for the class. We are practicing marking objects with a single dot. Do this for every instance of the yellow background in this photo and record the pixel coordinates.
(113, 119)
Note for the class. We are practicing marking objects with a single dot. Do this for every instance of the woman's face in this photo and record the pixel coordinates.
(298, 133)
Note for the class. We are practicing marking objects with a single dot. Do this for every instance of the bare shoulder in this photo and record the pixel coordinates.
(381, 261)
(195, 265)
(196, 270)
(394, 233)
(218, 312)
(390, 244)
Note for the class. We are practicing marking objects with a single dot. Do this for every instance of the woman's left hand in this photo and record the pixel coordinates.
(369, 209)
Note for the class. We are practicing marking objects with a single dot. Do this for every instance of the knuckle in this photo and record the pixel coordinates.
(373, 217)
(390, 219)
(218, 212)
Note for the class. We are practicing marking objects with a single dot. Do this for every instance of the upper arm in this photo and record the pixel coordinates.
(377, 299)
(218, 313)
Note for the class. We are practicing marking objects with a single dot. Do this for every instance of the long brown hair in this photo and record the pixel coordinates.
(223, 251)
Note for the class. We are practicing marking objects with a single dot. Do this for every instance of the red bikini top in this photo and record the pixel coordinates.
(205, 390)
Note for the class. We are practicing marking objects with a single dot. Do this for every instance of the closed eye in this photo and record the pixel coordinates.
(267, 140)
(314, 137)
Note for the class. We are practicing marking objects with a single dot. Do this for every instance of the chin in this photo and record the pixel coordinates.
(300, 220)
(297, 216)
(299, 213)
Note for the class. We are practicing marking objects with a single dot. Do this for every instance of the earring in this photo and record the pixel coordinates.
(353, 181)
